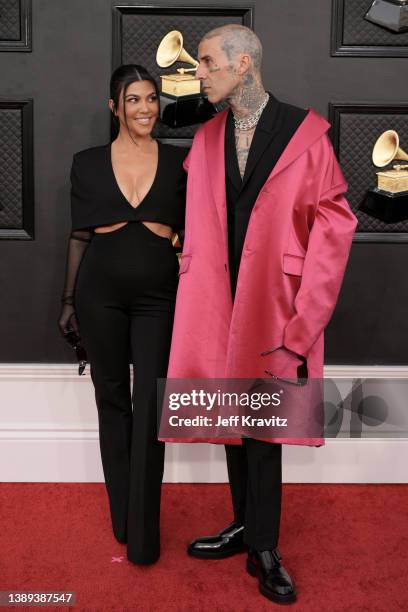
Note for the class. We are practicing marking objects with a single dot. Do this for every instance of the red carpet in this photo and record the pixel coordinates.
(345, 545)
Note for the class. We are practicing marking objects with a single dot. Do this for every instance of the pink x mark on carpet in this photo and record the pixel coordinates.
(117, 559)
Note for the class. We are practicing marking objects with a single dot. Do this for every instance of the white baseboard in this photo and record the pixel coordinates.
(49, 433)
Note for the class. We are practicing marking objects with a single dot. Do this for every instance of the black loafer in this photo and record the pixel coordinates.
(274, 581)
(228, 542)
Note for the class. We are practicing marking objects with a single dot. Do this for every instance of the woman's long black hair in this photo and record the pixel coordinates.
(121, 78)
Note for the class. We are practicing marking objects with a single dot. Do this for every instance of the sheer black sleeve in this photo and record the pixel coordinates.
(78, 243)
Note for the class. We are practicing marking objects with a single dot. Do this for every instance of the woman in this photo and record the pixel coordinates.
(127, 199)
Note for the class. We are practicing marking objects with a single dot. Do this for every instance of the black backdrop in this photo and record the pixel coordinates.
(67, 76)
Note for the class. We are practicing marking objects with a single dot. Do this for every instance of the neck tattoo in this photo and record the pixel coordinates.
(247, 123)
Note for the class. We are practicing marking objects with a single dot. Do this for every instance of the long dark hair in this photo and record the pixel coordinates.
(121, 78)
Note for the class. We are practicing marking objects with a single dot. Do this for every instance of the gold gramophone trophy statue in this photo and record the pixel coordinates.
(183, 82)
(389, 14)
(181, 100)
(389, 200)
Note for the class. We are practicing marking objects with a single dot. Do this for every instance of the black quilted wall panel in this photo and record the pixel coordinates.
(354, 35)
(139, 32)
(16, 177)
(11, 169)
(10, 20)
(359, 31)
(356, 132)
(15, 25)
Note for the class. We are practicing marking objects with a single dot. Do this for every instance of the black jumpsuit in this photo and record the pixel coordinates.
(124, 300)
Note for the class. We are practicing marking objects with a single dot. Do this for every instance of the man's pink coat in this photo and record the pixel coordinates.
(293, 261)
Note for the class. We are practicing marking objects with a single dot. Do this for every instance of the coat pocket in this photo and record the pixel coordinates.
(184, 263)
(293, 264)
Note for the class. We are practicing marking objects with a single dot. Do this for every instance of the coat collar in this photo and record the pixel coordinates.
(231, 160)
(310, 130)
(214, 134)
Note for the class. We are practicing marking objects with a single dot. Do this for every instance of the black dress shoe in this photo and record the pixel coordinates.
(274, 581)
(228, 542)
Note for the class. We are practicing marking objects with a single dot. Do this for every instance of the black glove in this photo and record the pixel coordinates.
(78, 243)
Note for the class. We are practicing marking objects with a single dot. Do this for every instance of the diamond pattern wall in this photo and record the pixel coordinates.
(11, 169)
(10, 20)
(358, 134)
(359, 31)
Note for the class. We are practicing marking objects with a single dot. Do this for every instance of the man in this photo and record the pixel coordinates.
(267, 239)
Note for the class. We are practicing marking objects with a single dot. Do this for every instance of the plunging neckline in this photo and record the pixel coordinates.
(117, 183)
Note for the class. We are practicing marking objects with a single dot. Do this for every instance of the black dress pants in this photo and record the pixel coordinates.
(255, 476)
(124, 299)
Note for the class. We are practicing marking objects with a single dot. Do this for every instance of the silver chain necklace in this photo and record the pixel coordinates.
(249, 122)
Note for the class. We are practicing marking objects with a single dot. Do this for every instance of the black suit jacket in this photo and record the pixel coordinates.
(275, 128)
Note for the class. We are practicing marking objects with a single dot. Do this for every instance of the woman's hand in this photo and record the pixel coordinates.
(68, 321)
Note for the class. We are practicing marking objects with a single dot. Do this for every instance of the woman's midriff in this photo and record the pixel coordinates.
(165, 231)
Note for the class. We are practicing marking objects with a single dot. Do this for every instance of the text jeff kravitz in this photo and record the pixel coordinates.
(231, 421)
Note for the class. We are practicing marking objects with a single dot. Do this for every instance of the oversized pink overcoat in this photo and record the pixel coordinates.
(293, 261)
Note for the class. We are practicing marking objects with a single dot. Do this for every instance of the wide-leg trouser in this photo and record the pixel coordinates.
(255, 476)
(125, 304)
